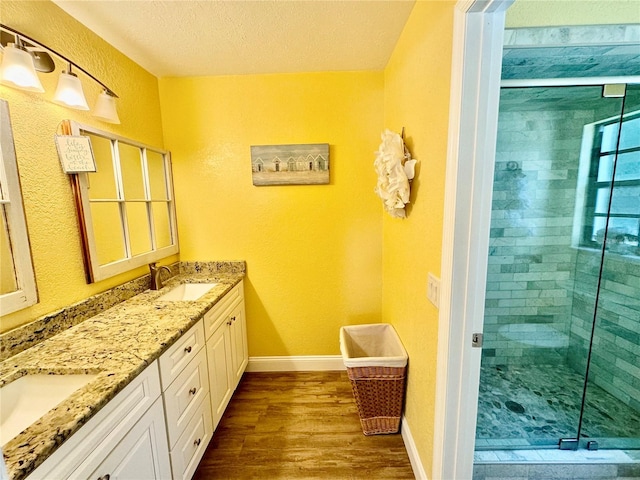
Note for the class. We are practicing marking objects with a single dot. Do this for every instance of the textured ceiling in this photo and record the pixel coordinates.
(217, 37)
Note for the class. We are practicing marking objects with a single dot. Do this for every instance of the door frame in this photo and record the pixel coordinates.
(473, 123)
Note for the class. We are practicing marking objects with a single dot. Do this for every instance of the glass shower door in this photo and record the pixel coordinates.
(611, 415)
(540, 294)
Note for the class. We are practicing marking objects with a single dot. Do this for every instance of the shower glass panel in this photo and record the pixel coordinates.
(549, 218)
(613, 420)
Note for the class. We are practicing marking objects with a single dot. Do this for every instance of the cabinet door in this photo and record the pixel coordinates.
(239, 344)
(85, 449)
(220, 381)
(143, 454)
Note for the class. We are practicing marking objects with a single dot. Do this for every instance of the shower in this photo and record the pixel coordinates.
(561, 352)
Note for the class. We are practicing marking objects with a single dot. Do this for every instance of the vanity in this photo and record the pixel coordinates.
(155, 374)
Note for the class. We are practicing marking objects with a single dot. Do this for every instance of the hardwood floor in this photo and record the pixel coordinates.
(288, 425)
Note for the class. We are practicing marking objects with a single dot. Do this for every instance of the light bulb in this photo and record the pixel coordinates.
(69, 92)
(105, 108)
(18, 70)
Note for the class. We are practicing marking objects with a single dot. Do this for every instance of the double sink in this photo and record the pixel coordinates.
(26, 399)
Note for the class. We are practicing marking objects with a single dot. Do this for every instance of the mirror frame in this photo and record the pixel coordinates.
(80, 182)
(26, 293)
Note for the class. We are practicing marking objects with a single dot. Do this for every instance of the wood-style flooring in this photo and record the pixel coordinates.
(292, 425)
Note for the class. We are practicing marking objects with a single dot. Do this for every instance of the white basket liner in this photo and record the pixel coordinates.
(372, 345)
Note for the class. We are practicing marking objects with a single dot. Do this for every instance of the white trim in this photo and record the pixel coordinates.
(568, 82)
(412, 451)
(308, 363)
(26, 293)
(475, 89)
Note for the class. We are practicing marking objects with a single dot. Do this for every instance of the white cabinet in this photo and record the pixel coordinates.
(188, 450)
(159, 425)
(220, 368)
(222, 310)
(140, 455)
(178, 355)
(239, 350)
(131, 422)
(185, 380)
(185, 394)
(226, 332)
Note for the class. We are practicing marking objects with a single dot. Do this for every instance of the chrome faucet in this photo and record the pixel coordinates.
(156, 278)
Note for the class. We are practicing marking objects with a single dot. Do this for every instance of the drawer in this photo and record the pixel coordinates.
(190, 447)
(223, 309)
(180, 354)
(183, 397)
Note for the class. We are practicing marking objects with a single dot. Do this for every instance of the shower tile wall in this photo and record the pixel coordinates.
(540, 289)
(576, 51)
(530, 271)
(615, 361)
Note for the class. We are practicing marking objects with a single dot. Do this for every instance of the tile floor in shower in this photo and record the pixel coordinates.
(522, 406)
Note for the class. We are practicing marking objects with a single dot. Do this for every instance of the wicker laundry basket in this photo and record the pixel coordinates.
(376, 364)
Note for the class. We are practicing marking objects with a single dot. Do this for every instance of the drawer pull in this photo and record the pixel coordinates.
(188, 349)
(104, 477)
(233, 319)
(196, 443)
(229, 322)
(193, 391)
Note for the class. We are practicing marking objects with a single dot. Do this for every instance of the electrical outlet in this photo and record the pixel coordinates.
(433, 289)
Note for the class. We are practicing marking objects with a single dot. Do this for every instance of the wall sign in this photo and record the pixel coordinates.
(76, 154)
(305, 164)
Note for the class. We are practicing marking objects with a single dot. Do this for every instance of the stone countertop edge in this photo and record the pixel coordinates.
(117, 345)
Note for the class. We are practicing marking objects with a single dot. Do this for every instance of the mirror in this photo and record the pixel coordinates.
(17, 279)
(126, 208)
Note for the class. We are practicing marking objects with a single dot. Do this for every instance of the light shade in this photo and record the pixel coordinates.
(105, 108)
(18, 70)
(69, 92)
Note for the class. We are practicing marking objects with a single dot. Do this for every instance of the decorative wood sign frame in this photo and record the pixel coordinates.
(76, 154)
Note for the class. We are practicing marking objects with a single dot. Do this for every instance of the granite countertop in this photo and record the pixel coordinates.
(117, 345)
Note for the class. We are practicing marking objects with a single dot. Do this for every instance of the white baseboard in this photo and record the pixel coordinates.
(412, 451)
(304, 363)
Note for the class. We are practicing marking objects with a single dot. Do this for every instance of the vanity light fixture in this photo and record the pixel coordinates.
(105, 108)
(69, 91)
(18, 68)
(24, 57)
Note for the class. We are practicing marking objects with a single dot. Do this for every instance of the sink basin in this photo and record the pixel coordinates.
(187, 291)
(28, 398)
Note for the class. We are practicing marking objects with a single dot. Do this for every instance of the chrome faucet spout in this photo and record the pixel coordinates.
(156, 278)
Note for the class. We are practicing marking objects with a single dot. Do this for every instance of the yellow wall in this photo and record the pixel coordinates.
(534, 13)
(313, 252)
(417, 97)
(51, 216)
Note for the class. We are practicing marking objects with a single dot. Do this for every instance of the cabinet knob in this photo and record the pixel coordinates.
(197, 442)
(229, 322)
(188, 349)
(233, 319)
(105, 477)
(193, 391)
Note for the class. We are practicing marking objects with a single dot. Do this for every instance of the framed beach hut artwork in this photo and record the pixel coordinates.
(306, 164)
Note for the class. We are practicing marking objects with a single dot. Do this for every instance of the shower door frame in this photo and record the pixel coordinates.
(473, 124)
